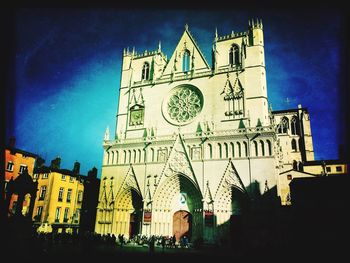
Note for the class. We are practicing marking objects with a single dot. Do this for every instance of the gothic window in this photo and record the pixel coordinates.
(152, 155)
(145, 71)
(255, 148)
(269, 147)
(220, 150)
(117, 157)
(262, 147)
(134, 154)
(139, 153)
(294, 126)
(210, 148)
(144, 155)
(186, 61)
(232, 149)
(124, 156)
(112, 157)
(234, 55)
(137, 113)
(284, 125)
(107, 157)
(129, 152)
(294, 145)
(226, 150)
(239, 149)
(245, 149)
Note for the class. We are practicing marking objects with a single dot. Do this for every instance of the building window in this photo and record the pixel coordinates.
(66, 215)
(42, 192)
(9, 166)
(63, 178)
(71, 179)
(210, 151)
(294, 145)
(262, 147)
(232, 149)
(145, 71)
(80, 196)
(328, 169)
(39, 212)
(186, 61)
(69, 195)
(339, 169)
(60, 194)
(220, 150)
(57, 214)
(35, 176)
(45, 176)
(269, 149)
(255, 148)
(234, 56)
(289, 177)
(294, 126)
(22, 168)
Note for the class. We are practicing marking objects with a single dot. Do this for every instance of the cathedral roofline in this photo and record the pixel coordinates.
(289, 110)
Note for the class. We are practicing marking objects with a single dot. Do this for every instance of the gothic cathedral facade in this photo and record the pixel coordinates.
(195, 143)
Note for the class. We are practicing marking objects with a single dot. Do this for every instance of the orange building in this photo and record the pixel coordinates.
(16, 161)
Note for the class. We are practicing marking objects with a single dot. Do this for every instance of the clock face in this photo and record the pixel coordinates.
(136, 117)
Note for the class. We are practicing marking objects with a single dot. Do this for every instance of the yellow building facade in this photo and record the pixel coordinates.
(16, 161)
(59, 199)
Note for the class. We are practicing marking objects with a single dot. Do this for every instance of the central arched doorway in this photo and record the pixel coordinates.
(182, 224)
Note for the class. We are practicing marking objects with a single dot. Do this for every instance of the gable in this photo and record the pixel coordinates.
(197, 59)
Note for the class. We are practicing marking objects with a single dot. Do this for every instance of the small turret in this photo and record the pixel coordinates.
(255, 32)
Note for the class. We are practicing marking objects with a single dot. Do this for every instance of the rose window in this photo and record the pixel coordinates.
(183, 104)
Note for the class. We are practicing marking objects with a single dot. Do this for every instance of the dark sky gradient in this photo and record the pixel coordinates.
(67, 66)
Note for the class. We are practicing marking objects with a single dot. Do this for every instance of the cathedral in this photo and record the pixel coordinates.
(196, 144)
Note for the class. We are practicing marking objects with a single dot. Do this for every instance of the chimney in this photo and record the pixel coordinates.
(56, 163)
(92, 173)
(39, 162)
(76, 169)
(12, 142)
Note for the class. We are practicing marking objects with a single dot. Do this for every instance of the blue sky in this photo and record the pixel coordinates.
(66, 68)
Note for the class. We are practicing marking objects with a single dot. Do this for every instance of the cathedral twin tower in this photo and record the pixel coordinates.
(194, 144)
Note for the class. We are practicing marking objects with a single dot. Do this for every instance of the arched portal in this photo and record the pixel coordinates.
(182, 224)
(129, 213)
(177, 196)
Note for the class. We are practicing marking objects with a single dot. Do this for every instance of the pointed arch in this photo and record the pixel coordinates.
(262, 148)
(226, 150)
(210, 151)
(186, 60)
(269, 148)
(219, 150)
(256, 153)
(294, 126)
(239, 152)
(145, 71)
(234, 55)
(245, 150)
(232, 149)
